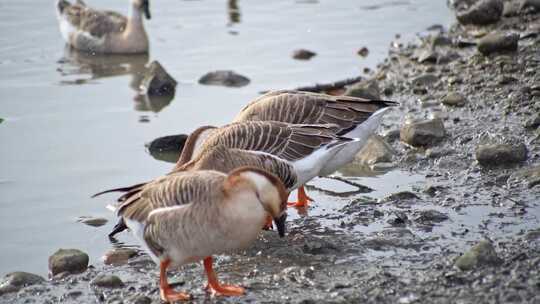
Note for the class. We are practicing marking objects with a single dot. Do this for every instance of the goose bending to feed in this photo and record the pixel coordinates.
(294, 153)
(96, 31)
(188, 216)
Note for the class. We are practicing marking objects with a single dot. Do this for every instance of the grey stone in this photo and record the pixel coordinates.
(533, 122)
(224, 78)
(428, 55)
(399, 196)
(481, 13)
(107, 281)
(454, 99)
(423, 133)
(424, 80)
(139, 299)
(365, 89)
(118, 256)
(68, 260)
(531, 176)
(498, 43)
(92, 221)
(376, 150)
(157, 81)
(500, 154)
(482, 254)
(430, 216)
(303, 54)
(14, 281)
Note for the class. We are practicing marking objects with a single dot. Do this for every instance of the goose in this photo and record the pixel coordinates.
(96, 31)
(294, 153)
(188, 216)
(354, 117)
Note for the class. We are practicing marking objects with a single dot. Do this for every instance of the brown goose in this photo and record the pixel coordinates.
(188, 216)
(96, 31)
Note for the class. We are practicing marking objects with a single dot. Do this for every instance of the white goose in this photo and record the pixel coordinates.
(188, 216)
(95, 31)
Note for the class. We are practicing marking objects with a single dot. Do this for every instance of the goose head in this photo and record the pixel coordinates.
(269, 190)
(143, 6)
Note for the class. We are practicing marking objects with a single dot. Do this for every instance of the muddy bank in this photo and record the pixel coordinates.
(467, 124)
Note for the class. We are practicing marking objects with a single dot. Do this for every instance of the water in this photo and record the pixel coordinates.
(74, 124)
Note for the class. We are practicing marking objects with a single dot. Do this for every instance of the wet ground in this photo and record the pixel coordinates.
(398, 243)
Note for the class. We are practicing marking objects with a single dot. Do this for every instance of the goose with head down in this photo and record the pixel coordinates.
(188, 216)
(107, 32)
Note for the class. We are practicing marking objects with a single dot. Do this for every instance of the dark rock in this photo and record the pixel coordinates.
(498, 43)
(533, 122)
(532, 5)
(454, 99)
(400, 196)
(365, 89)
(375, 151)
(92, 221)
(107, 281)
(500, 154)
(167, 148)
(68, 260)
(398, 219)
(157, 81)
(423, 133)
(481, 13)
(119, 256)
(428, 217)
(424, 80)
(224, 78)
(482, 254)
(14, 281)
(139, 299)
(303, 54)
(363, 52)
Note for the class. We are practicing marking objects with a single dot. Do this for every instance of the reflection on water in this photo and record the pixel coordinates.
(234, 12)
(152, 103)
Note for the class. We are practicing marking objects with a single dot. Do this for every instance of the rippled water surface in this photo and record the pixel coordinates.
(74, 124)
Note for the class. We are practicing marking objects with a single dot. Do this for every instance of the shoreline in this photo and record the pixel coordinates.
(485, 107)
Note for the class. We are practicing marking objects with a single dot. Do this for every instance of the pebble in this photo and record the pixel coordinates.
(483, 12)
(363, 51)
(365, 89)
(169, 143)
(118, 256)
(429, 217)
(92, 221)
(14, 281)
(107, 281)
(498, 43)
(68, 260)
(224, 78)
(157, 81)
(303, 54)
(424, 80)
(423, 133)
(482, 254)
(500, 154)
(376, 150)
(454, 99)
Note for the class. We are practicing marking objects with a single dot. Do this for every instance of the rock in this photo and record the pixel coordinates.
(423, 133)
(139, 299)
(533, 122)
(315, 245)
(532, 5)
(119, 256)
(92, 221)
(425, 80)
(500, 154)
(224, 78)
(429, 217)
(68, 260)
(482, 254)
(481, 13)
(498, 43)
(107, 281)
(365, 89)
(375, 151)
(454, 99)
(391, 238)
(363, 51)
(303, 54)
(531, 176)
(400, 196)
(167, 148)
(14, 281)
(428, 55)
(157, 81)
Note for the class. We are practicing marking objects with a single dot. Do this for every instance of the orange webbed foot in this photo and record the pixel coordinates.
(170, 296)
(303, 199)
(227, 290)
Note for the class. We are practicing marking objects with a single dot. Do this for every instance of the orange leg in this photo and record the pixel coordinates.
(213, 284)
(165, 291)
(268, 225)
(303, 199)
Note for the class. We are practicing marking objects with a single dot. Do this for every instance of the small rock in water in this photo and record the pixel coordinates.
(68, 260)
(170, 143)
(363, 51)
(498, 43)
(500, 154)
(303, 54)
(365, 89)
(423, 133)
(481, 13)
(157, 81)
(376, 150)
(454, 99)
(224, 78)
(92, 221)
(119, 256)
(14, 281)
(482, 254)
(107, 281)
